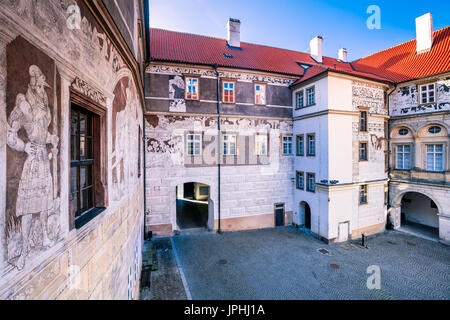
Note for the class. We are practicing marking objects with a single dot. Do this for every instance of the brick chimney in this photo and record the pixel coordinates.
(342, 54)
(316, 48)
(424, 33)
(234, 33)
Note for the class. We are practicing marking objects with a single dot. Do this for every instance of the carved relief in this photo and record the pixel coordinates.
(32, 217)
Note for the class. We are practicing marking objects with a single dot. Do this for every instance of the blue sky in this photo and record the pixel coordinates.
(291, 24)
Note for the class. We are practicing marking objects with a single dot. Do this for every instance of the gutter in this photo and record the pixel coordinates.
(218, 150)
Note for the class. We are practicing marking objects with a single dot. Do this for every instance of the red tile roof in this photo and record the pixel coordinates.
(400, 63)
(392, 65)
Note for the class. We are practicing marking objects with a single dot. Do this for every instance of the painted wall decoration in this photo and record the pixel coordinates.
(368, 95)
(32, 201)
(126, 126)
(405, 100)
(176, 94)
(247, 77)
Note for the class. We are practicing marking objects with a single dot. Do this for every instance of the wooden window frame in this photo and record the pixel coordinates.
(235, 146)
(366, 194)
(396, 155)
(308, 174)
(434, 156)
(186, 77)
(267, 144)
(100, 165)
(367, 151)
(308, 153)
(366, 121)
(303, 142)
(297, 175)
(265, 93)
(234, 91)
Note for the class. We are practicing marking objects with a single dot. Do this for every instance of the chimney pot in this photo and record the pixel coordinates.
(424, 33)
(234, 32)
(316, 48)
(342, 55)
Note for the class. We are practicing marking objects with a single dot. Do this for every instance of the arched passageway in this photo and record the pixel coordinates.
(305, 211)
(419, 215)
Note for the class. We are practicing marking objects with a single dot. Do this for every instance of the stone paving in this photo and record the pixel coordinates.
(284, 263)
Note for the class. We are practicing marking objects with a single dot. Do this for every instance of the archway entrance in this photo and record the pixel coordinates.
(419, 215)
(306, 214)
(193, 206)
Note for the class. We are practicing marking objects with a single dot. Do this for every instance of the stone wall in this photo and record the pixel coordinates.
(49, 51)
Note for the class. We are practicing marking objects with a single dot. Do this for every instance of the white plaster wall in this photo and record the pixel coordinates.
(340, 94)
(321, 97)
(340, 137)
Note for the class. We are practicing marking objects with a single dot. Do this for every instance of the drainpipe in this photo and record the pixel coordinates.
(389, 144)
(218, 149)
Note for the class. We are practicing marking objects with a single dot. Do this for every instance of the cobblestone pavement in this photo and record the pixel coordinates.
(284, 263)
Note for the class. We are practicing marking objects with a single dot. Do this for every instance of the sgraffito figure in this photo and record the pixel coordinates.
(36, 189)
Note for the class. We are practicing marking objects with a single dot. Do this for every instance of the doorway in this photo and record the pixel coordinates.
(306, 213)
(193, 204)
(279, 214)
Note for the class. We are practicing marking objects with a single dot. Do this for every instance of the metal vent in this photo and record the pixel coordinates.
(227, 55)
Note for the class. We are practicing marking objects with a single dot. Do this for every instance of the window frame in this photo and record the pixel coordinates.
(434, 90)
(364, 188)
(186, 78)
(283, 136)
(434, 153)
(308, 175)
(308, 151)
(257, 153)
(361, 118)
(228, 81)
(302, 136)
(366, 153)
(264, 94)
(299, 174)
(313, 88)
(297, 94)
(100, 165)
(227, 142)
(194, 141)
(403, 153)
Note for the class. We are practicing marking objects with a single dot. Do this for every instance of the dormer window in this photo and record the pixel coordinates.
(427, 93)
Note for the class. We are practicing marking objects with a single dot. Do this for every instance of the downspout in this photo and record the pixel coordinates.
(389, 146)
(218, 148)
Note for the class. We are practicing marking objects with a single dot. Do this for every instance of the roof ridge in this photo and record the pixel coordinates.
(397, 45)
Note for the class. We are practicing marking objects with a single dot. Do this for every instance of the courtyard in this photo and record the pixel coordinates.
(287, 263)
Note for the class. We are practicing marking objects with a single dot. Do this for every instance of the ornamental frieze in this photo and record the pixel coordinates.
(84, 88)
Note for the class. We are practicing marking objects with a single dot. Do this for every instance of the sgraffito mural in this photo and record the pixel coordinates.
(405, 100)
(32, 200)
(176, 94)
(368, 95)
(126, 126)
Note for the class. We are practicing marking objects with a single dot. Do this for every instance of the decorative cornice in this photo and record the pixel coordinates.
(84, 88)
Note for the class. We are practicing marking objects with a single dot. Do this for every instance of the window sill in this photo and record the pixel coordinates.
(191, 99)
(364, 204)
(87, 217)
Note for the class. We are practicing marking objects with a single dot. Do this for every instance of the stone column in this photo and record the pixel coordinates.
(444, 228)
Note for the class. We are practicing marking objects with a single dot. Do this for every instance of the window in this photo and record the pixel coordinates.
(300, 180)
(228, 92)
(311, 139)
(427, 93)
(260, 93)
(363, 194)
(261, 145)
(192, 90)
(194, 145)
(300, 99)
(311, 182)
(403, 131)
(300, 145)
(229, 144)
(82, 161)
(435, 157)
(363, 121)
(404, 157)
(363, 151)
(287, 145)
(434, 129)
(310, 96)
(203, 191)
